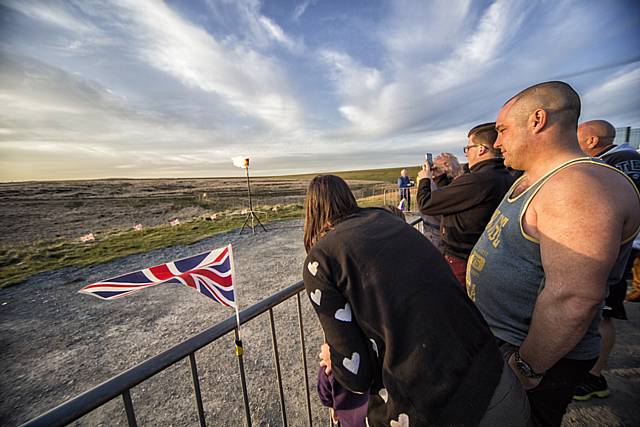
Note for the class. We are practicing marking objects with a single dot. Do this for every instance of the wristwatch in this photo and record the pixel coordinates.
(524, 368)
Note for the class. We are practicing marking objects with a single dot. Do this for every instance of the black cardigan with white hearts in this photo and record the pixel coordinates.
(399, 325)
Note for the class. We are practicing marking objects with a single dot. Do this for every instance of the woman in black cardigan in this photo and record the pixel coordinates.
(397, 323)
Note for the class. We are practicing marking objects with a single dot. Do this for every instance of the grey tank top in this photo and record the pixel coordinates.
(505, 274)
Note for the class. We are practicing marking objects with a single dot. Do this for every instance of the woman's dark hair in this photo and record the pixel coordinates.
(329, 200)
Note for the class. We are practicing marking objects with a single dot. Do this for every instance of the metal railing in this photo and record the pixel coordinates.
(121, 384)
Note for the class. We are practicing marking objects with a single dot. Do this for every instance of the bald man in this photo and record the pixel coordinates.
(596, 140)
(539, 272)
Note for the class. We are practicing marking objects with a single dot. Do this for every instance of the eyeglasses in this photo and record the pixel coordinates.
(468, 147)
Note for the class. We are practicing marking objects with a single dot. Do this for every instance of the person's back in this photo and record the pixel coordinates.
(432, 345)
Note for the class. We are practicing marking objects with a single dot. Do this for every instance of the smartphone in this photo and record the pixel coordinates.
(429, 158)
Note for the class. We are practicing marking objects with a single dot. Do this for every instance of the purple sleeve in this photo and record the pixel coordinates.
(325, 389)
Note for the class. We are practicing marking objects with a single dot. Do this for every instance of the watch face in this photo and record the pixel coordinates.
(525, 369)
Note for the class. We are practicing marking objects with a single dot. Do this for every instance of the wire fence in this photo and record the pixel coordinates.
(629, 135)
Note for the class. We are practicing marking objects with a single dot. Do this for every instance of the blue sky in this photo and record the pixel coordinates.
(137, 88)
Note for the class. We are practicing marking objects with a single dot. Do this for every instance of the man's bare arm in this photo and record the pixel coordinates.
(579, 224)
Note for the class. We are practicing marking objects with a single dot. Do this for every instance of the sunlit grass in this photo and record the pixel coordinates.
(19, 263)
(389, 175)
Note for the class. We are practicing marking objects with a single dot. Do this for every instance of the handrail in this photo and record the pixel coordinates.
(84, 403)
(120, 384)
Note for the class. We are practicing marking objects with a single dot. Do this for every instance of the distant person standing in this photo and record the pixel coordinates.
(596, 140)
(404, 188)
(466, 202)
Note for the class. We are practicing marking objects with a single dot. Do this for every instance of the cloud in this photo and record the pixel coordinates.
(245, 24)
(609, 100)
(79, 127)
(276, 33)
(248, 81)
(52, 12)
(301, 8)
(426, 67)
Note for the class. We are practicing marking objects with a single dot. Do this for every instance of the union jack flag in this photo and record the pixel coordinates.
(210, 273)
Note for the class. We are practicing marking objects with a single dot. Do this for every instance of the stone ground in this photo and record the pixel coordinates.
(56, 343)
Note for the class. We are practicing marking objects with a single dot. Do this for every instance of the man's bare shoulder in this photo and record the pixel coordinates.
(589, 192)
(590, 182)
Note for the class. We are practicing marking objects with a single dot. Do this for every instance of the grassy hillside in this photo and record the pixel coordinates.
(20, 262)
(389, 175)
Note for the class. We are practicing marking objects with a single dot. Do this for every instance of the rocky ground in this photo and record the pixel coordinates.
(57, 343)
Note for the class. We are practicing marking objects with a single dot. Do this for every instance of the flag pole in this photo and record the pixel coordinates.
(238, 342)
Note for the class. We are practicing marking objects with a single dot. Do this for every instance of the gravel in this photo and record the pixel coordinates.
(57, 343)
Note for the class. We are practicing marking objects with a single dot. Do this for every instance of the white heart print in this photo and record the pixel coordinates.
(403, 421)
(352, 364)
(313, 268)
(344, 314)
(316, 296)
(384, 394)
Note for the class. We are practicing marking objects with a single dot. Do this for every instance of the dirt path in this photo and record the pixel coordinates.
(57, 343)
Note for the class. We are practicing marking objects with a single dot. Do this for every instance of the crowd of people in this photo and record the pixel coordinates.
(504, 314)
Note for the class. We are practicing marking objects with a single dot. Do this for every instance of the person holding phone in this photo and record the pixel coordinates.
(466, 202)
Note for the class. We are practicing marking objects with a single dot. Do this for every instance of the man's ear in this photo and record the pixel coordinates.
(538, 120)
(482, 150)
(593, 141)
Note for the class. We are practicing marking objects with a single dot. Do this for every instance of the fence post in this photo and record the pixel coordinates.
(277, 361)
(304, 359)
(627, 134)
(243, 380)
(196, 389)
(128, 407)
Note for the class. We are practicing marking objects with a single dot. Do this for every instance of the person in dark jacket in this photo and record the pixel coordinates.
(467, 202)
(396, 324)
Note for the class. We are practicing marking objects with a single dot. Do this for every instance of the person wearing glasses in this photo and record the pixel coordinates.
(466, 202)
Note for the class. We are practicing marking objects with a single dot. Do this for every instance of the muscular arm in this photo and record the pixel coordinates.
(580, 226)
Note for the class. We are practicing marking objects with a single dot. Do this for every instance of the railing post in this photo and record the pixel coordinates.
(277, 360)
(128, 407)
(304, 359)
(243, 379)
(196, 389)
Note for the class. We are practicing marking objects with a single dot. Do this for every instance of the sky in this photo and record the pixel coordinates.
(144, 89)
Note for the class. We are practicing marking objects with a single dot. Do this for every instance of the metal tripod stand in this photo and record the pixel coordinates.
(251, 215)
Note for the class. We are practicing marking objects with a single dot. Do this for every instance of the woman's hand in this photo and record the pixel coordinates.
(325, 358)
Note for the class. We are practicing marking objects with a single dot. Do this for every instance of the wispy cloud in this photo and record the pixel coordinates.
(610, 101)
(52, 12)
(252, 83)
(301, 8)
